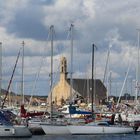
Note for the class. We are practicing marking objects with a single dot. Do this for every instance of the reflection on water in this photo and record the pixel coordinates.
(80, 137)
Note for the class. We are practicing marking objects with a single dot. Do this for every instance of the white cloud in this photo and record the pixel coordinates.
(105, 23)
(9, 8)
(63, 13)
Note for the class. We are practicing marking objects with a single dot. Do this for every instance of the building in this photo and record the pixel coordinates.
(81, 88)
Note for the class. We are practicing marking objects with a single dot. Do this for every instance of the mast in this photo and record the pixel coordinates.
(106, 73)
(71, 72)
(93, 81)
(110, 82)
(10, 82)
(88, 90)
(0, 68)
(51, 74)
(137, 71)
(123, 84)
(22, 81)
(107, 61)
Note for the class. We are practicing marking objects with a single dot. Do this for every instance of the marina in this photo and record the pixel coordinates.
(74, 115)
(69, 70)
(67, 110)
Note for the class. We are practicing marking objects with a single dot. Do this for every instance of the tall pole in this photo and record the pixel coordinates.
(137, 72)
(92, 79)
(110, 83)
(51, 74)
(106, 66)
(88, 91)
(126, 84)
(22, 81)
(123, 84)
(0, 68)
(71, 72)
(10, 82)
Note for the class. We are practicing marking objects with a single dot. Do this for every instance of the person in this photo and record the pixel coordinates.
(112, 119)
(119, 119)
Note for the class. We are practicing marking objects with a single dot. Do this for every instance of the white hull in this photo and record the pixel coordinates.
(99, 129)
(35, 127)
(55, 129)
(14, 131)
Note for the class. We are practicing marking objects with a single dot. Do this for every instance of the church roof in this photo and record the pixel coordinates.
(84, 87)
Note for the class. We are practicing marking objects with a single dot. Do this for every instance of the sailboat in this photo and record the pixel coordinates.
(7, 128)
(55, 127)
(133, 115)
(49, 126)
(99, 127)
(24, 114)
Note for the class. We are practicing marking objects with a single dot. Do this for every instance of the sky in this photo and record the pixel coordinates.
(108, 24)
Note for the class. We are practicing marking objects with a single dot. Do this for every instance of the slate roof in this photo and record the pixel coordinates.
(82, 86)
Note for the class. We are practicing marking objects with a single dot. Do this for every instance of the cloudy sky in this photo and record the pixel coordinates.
(106, 23)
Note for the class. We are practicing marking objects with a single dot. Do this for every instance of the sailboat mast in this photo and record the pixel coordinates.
(137, 73)
(22, 81)
(0, 68)
(51, 74)
(123, 84)
(106, 75)
(10, 82)
(110, 82)
(71, 72)
(106, 66)
(88, 88)
(92, 95)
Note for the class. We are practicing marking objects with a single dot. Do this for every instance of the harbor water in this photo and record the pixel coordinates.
(80, 137)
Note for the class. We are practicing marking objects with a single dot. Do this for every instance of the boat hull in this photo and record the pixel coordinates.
(14, 131)
(83, 130)
(35, 128)
(55, 129)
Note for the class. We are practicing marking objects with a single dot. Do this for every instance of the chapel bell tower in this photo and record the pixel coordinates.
(63, 68)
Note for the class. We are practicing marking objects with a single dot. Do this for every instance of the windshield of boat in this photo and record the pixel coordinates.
(98, 124)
